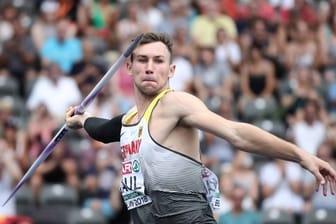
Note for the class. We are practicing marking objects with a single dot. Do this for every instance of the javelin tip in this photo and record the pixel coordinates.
(14, 191)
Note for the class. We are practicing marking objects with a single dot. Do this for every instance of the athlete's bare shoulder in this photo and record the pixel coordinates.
(180, 98)
(181, 103)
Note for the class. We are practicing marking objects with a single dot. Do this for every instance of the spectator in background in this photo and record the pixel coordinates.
(280, 183)
(204, 27)
(227, 184)
(6, 110)
(302, 49)
(122, 88)
(90, 69)
(270, 36)
(227, 50)
(176, 12)
(111, 38)
(10, 170)
(229, 7)
(9, 86)
(59, 168)
(63, 49)
(130, 24)
(183, 58)
(324, 34)
(245, 41)
(238, 214)
(251, 10)
(257, 80)
(21, 54)
(40, 129)
(257, 75)
(309, 132)
(13, 137)
(55, 91)
(9, 15)
(150, 14)
(183, 78)
(103, 106)
(98, 37)
(225, 189)
(69, 9)
(211, 79)
(331, 44)
(44, 26)
(101, 186)
(301, 10)
(244, 174)
(330, 136)
(100, 12)
(183, 42)
(301, 83)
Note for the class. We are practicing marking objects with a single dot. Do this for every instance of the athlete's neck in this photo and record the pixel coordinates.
(142, 101)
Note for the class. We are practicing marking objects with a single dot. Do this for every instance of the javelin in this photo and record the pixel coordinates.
(79, 110)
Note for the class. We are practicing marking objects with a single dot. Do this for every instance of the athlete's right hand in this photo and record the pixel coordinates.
(75, 121)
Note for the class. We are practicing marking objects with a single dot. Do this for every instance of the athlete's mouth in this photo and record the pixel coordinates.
(149, 80)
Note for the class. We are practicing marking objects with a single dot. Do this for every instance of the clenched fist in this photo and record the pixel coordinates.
(75, 121)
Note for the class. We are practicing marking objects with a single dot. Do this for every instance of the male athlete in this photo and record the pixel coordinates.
(163, 180)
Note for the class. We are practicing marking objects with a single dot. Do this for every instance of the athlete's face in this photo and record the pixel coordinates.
(151, 68)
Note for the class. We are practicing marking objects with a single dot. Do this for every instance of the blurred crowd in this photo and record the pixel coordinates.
(271, 63)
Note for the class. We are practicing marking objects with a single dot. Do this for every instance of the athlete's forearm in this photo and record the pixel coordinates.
(247, 137)
(256, 140)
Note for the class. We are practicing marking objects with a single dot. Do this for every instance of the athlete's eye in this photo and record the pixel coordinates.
(142, 60)
(159, 61)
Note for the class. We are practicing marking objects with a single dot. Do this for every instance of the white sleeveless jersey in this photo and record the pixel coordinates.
(148, 166)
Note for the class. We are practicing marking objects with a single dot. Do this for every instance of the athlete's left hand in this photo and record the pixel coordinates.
(324, 174)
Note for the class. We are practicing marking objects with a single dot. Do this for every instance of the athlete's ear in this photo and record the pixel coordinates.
(129, 66)
(171, 70)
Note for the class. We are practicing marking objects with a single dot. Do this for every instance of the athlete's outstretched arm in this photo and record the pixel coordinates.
(192, 112)
(100, 129)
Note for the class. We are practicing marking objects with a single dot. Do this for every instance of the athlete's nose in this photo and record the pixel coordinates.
(149, 67)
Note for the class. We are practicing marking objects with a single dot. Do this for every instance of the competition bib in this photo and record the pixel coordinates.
(132, 185)
(210, 181)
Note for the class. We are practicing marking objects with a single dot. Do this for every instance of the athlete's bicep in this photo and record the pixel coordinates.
(190, 110)
(196, 114)
(104, 130)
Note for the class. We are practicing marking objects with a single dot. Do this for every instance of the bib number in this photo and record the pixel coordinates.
(132, 185)
(210, 181)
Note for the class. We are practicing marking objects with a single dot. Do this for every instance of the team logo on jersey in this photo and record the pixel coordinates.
(130, 167)
(136, 166)
(140, 131)
(126, 167)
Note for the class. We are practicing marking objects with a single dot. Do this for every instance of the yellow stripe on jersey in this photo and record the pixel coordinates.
(151, 106)
(129, 115)
(132, 112)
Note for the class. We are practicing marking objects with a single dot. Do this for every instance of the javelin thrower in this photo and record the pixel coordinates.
(163, 178)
